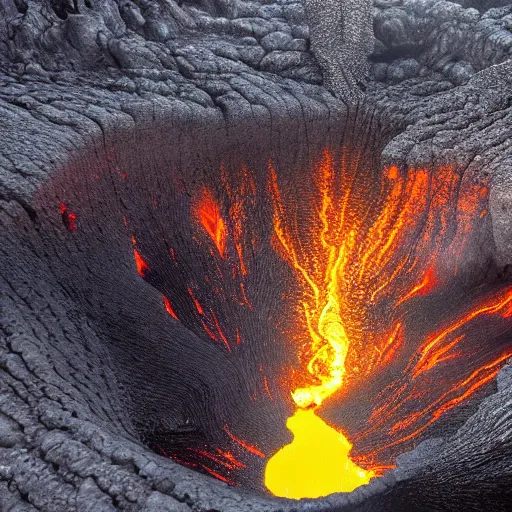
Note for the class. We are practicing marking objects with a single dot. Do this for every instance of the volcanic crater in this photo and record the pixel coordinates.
(226, 271)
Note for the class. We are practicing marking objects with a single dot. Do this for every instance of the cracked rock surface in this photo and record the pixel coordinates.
(76, 75)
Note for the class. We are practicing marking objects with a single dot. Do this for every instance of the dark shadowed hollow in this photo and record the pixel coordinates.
(199, 317)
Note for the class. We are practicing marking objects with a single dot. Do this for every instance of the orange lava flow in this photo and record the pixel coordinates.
(207, 212)
(229, 237)
(352, 255)
(413, 425)
(424, 287)
(352, 251)
(399, 415)
(432, 351)
(329, 339)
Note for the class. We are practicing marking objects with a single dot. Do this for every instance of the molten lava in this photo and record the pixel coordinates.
(352, 252)
(169, 308)
(315, 464)
(142, 266)
(246, 446)
(329, 340)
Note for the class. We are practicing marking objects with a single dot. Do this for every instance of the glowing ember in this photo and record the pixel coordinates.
(315, 464)
(68, 217)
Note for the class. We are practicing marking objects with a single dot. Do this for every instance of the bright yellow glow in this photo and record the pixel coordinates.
(329, 343)
(316, 463)
(333, 351)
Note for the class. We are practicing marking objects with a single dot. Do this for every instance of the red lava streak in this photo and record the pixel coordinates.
(250, 448)
(169, 308)
(218, 475)
(196, 302)
(221, 334)
(142, 266)
(230, 457)
(424, 287)
(222, 458)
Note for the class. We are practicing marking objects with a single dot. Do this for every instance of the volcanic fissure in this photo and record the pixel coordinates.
(298, 313)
